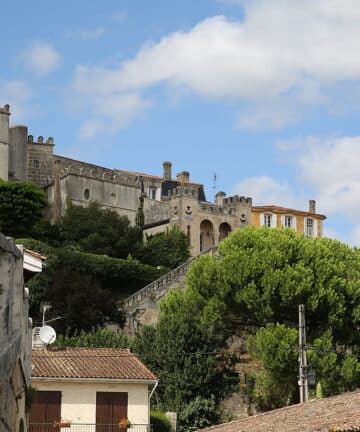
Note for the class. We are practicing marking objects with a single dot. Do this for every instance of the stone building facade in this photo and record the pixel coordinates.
(16, 266)
(164, 201)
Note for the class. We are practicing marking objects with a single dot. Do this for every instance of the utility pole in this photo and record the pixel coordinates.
(303, 381)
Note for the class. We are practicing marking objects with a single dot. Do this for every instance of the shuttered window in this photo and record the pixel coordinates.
(46, 407)
(111, 407)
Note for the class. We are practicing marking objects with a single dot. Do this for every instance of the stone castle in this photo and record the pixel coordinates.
(163, 201)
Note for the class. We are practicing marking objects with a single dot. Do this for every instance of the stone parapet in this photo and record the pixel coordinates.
(154, 292)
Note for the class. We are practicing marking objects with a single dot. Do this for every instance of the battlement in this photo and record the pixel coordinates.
(184, 190)
(40, 140)
(228, 205)
(236, 199)
(99, 173)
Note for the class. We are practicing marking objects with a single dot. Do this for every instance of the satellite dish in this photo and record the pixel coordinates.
(47, 335)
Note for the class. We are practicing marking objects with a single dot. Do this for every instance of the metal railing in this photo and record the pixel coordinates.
(86, 427)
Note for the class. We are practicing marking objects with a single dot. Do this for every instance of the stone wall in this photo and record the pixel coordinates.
(15, 337)
(40, 163)
(18, 139)
(142, 307)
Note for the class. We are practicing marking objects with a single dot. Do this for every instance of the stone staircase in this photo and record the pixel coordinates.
(142, 307)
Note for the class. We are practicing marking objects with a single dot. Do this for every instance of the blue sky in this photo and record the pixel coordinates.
(264, 93)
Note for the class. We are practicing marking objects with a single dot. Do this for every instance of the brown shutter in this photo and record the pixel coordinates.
(45, 408)
(119, 406)
(111, 407)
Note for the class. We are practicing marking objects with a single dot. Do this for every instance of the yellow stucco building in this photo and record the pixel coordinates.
(308, 222)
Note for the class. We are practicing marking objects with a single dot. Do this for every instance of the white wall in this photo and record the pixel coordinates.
(78, 401)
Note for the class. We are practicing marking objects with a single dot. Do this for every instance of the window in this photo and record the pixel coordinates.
(36, 164)
(309, 227)
(45, 407)
(288, 222)
(110, 408)
(86, 194)
(267, 220)
(188, 234)
(152, 193)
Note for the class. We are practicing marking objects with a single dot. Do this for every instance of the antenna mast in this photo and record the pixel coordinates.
(214, 184)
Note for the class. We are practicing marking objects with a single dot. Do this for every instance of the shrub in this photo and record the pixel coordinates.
(159, 422)
(21, 206)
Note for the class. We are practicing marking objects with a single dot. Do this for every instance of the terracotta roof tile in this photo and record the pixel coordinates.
(35, 254)
(284, 210)
(338, 413)
(88, 363)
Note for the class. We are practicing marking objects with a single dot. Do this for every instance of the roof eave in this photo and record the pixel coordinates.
(95, 380)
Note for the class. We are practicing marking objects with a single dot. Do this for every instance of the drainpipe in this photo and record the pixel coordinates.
(151, 393)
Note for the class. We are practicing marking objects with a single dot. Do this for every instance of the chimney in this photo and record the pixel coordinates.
(167, 170)
(219, 198)
(312, 206)
(183, 177)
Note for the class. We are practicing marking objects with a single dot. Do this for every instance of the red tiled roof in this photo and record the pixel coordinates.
(89, 363)
(338, 413)
(284, 210)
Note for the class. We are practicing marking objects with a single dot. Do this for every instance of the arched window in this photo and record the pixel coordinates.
(86, 194)
(206, 235)
(224, 230)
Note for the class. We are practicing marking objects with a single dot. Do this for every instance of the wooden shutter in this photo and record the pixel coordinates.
(111, 407)
(45, 407)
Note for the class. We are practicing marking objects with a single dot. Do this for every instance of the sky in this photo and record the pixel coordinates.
(262, 93)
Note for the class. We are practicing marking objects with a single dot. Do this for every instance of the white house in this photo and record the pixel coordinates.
(84, 388)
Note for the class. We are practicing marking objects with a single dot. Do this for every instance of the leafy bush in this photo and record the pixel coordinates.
(100, 231)
(159, 422)
(21, 206)
(198, 414)
(169, 249)
(84, 288)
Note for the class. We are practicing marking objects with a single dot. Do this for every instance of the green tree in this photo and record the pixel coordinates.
(101, 337)
(81, 301)
(169, 248)
(117, 278)
(276, 347)
(260, 276)
(100, 231)
(183, 350)
(21, 206)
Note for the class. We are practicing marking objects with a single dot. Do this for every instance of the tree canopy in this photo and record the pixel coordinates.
(258, 279)
(99, 231)
(84, 288)
(21, 206)
(169, 248)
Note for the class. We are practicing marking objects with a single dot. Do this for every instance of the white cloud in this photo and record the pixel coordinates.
(19, 96)
(91, 35)
(330, 168)
(41, 58)
(266, 191)
(112, 113)
(283, 57)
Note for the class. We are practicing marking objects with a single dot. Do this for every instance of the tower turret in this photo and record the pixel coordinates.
(4, 142)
